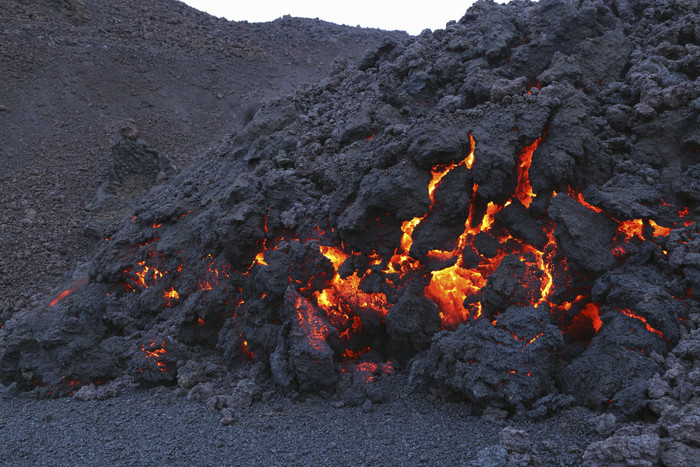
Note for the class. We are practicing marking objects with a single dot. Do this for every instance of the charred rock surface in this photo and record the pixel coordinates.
(477, 205)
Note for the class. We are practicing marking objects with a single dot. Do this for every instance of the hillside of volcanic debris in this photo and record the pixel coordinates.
(72, 72)
(506, 209)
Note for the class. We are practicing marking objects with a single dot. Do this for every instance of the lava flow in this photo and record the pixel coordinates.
(339, 306)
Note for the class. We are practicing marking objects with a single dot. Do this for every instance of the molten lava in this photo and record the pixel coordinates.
(643, 320)
(146, 276)
(579, 197)
(439, 171)
(343, 298)
(524, 192)
(154, 353)
(449, 288)
(659, 231)
(630, 229)
(587, 322)
(170, 295)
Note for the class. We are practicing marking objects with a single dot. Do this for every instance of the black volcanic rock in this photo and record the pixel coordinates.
(413, 321)
(625, 197)
(507, 365)
(584, 235)
(445, 222)
(514, 282)
(308, 242)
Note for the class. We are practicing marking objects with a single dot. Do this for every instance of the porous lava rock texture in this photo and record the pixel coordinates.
(505, 208)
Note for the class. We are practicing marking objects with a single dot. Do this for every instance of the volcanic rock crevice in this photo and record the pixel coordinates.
(477, 206)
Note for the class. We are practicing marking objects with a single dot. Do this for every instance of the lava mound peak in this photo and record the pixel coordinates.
(505, 210)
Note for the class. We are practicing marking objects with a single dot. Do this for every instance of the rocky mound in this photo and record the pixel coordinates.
(505, 208)
(73, 72)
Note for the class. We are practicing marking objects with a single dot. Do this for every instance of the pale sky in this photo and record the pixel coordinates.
(408, 15)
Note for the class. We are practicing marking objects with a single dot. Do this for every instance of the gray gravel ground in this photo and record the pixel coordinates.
(145, 426)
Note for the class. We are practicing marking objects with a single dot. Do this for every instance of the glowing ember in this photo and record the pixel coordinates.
(259, 259)
(535, 85)
(352, 355)
(684, 213)
(246, 351)
(368, 370)
(531, 341)
(619, 251)
(154, 353)
(170, 295)
(314, 327)
(214, 276)
(144, 273)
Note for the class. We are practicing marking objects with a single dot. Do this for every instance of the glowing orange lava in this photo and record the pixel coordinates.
(631, 228)
(401, 262)
(155, 354)
(449, 288)
(213, 276)
(579, 197)
(684, 213)
(629, 313)
(343, 298)
(523, 192)
(439, 171)
(170, 295)
(146, 272)
(246, 351)
(457, 289)
(659, 231)
(587, 322)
